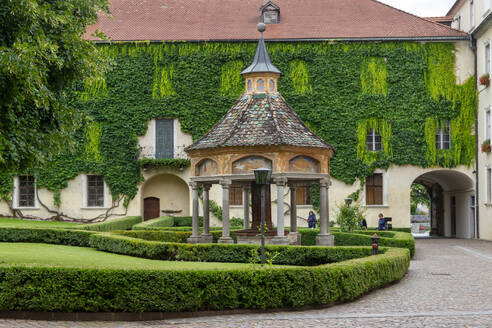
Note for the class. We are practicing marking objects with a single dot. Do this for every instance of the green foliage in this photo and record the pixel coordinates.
(373, 76)
(94, 87)
(93, 133)
(397, 238)
(186, 221)
(236, 222)
(25, 223)
(215, 209)
(231, 81)
(299, 77)
(45, 235)
(163, 221)
(97, 290)
(125, 223)
(349, 217)
(418, 195)
(333, 103)
(163, 82)
(42, 52)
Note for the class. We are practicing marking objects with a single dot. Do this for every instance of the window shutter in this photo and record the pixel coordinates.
(164, 138)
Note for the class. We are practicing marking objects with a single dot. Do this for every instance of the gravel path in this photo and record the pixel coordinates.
(449, 284)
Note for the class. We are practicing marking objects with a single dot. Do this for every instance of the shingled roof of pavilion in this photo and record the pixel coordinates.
(260, 120)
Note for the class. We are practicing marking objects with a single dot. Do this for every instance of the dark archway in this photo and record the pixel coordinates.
(452, 197)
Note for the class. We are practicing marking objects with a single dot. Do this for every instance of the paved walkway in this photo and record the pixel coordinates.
(449, 284)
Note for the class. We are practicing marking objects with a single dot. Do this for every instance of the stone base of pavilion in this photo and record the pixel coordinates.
(277, 236)
(251, 236)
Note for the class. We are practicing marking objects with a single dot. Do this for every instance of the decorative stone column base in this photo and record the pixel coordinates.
(325, 240)
(206, 238)
(225, 240)
(194, 240)
(294, 238)
(282, 240)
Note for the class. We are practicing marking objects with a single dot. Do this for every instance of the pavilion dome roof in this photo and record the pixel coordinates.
(260, 120)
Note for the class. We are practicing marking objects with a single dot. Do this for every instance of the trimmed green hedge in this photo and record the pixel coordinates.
(408, 230)
(125, 223)
(163, 221)
(362, 238)
(173, 236)
(46, 235)
(92, 290)
(287, 255)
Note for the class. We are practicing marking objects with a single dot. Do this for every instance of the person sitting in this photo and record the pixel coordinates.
(381, 222)
(311, 220)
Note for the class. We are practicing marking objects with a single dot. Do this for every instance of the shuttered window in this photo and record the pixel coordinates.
(95, 191)
(374, 189)
(164, 138)
(236, 195)
(26, 191)
(303, 195)
(443, 138)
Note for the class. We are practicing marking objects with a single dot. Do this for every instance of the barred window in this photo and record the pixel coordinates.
(26, 191)
(303, 195)
(235, 195)
(95, 191)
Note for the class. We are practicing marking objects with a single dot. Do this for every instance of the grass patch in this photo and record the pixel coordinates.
(46, 255)
(22, 223)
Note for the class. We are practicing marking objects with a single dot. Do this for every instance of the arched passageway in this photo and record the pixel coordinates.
(452, 203)
(165, 194)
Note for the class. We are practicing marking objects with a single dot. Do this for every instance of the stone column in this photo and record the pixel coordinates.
(246, 206)
(294, 237)
(194, 238)
(206, 236)
(324, 238)
(226, 238)
(280, 238)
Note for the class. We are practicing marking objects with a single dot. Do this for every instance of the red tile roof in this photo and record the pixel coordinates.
(163, 20)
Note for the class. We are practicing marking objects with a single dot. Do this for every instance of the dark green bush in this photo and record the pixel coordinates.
(173, 236)
(163, 221)
(362, 238)
(93, 290)
(125, 223)
(288, 255)
(46, 235)
(186, 221)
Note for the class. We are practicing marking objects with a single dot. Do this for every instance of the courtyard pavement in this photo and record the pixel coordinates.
(449, 284)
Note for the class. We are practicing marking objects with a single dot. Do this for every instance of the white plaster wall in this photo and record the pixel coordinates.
(464, 64)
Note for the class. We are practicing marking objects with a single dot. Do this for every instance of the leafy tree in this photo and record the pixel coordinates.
(42, 51)
(418, 195)
(349, 217)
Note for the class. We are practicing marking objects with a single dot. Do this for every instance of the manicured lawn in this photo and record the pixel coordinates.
(31, 254)
(19, 223)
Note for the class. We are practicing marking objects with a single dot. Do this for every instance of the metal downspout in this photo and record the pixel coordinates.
(473, 46)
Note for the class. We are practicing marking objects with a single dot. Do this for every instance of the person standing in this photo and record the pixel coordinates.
(381, 222)
(311, 220)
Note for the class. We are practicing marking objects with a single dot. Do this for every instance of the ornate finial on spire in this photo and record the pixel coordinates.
(261, 27)
(261, 62)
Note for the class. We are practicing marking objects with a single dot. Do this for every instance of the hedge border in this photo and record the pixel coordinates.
(139, 291)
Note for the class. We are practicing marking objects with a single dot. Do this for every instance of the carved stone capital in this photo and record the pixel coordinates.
(225, 183)
(325, 182)
(280, 181)
(194, 185)
(206, 186)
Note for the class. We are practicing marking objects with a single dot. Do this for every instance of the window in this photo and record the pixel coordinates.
(374, 189)
(487, 58)
(458, 23)
(164, 138)
(472, 14)
(487, 124)
(373, 140)
(443, 140)
(303, 195)
(270, 13)
(95, 191)
(235, 195)
(26, 191)
(489, 185)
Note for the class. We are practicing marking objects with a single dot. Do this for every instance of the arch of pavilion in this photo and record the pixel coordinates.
(260, 131)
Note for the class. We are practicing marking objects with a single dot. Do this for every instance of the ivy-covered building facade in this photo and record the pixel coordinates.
(392, 92)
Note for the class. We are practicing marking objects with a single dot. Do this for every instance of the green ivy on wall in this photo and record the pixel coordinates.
(338, 89)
